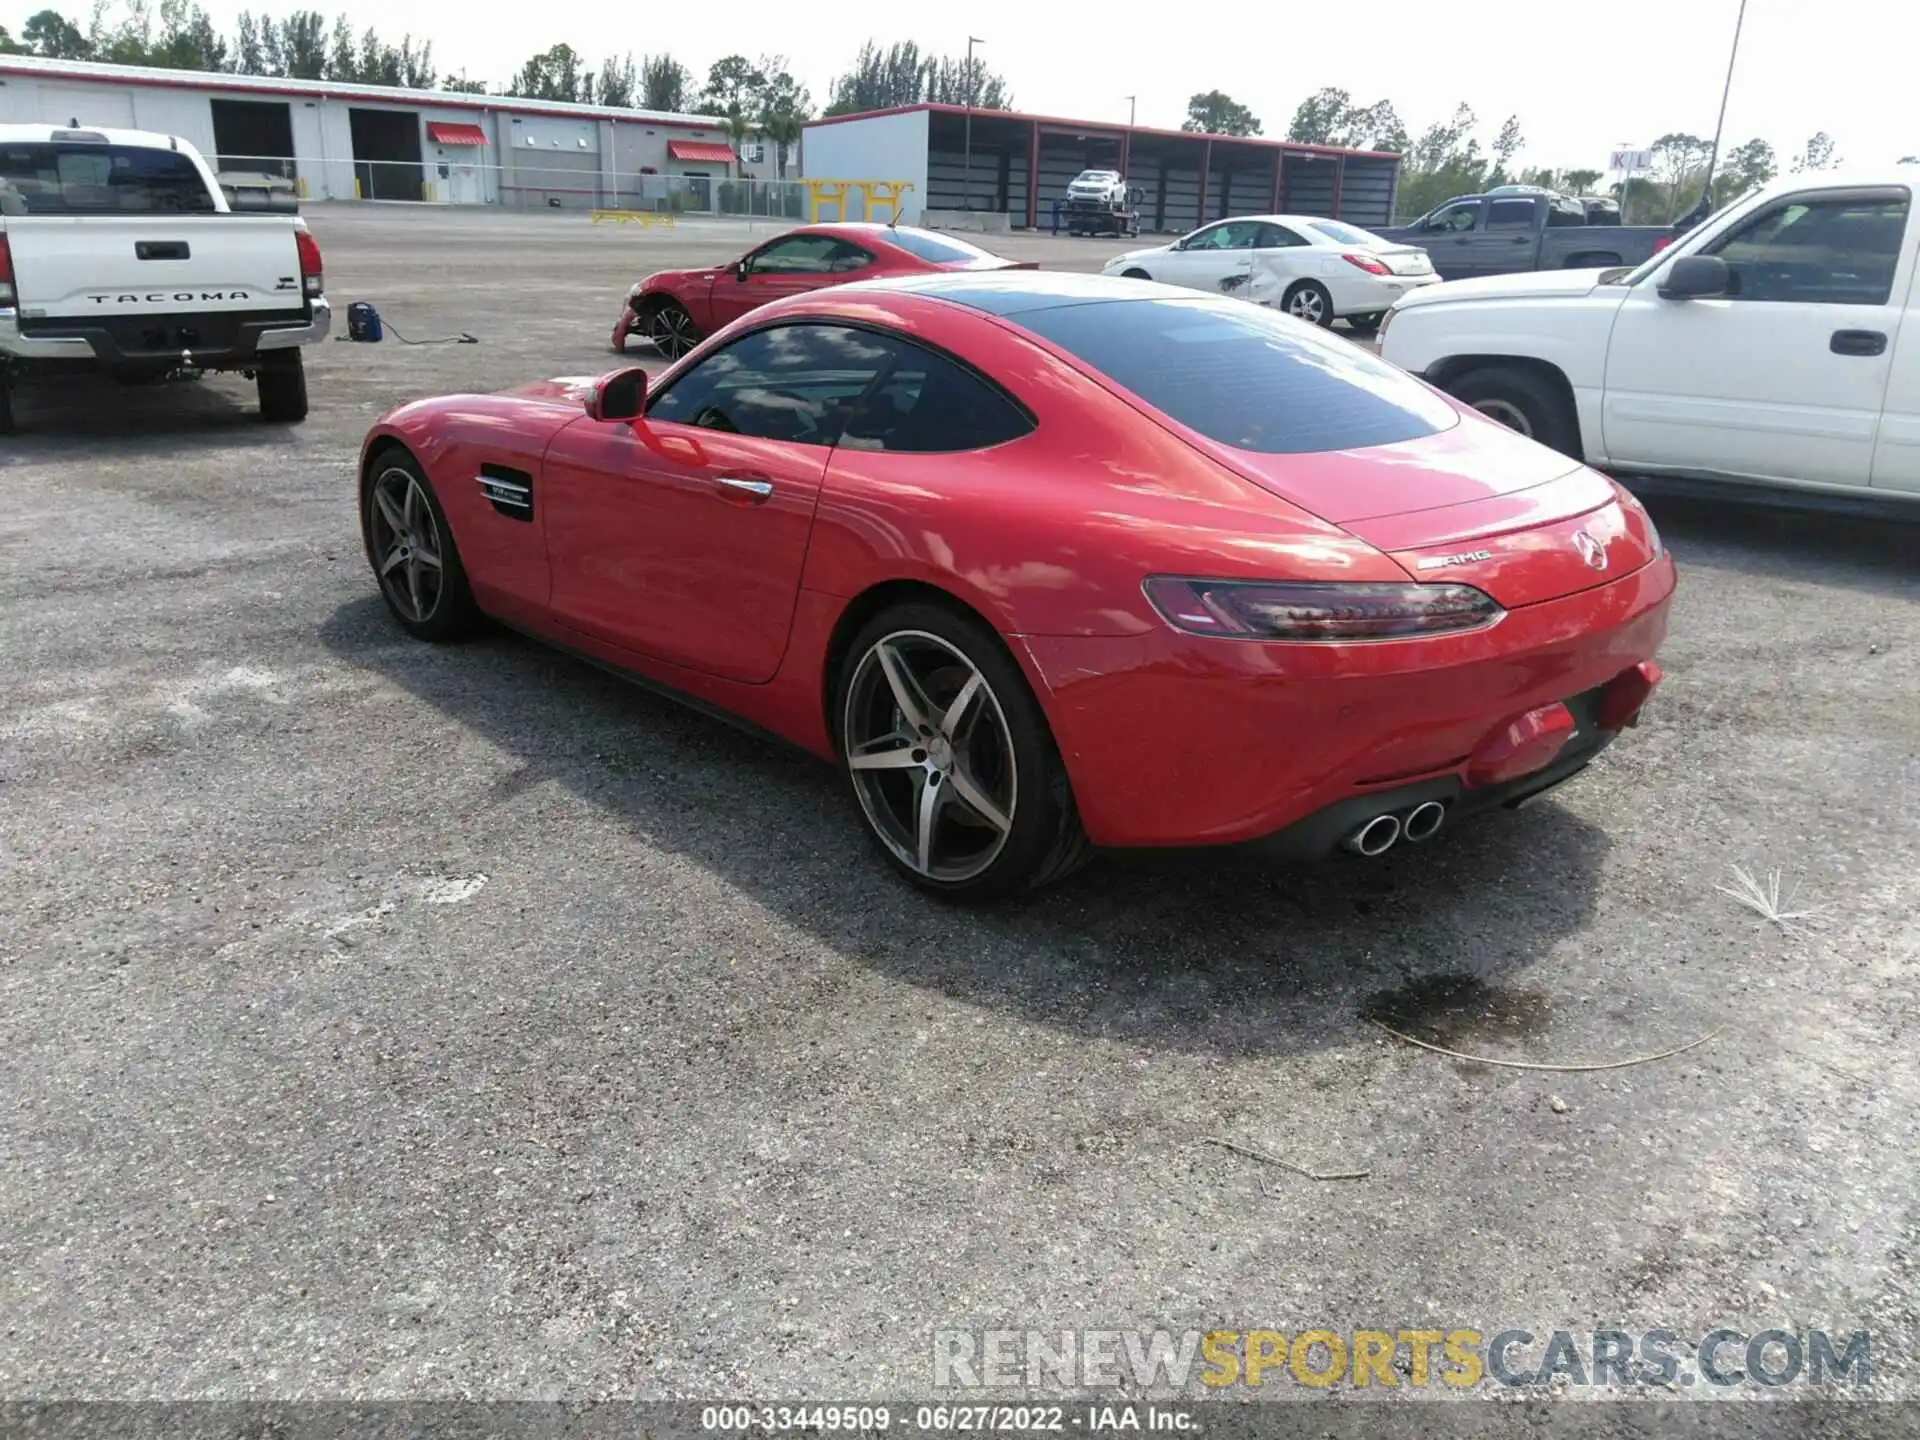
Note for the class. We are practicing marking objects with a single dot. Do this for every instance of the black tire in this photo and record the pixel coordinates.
(7, 425)
(1136, 273)
(452, 615)
(1308, 300)
(281, 380)
(671, 329)
(1522, 400)
(1366, 324)
(1044, 841)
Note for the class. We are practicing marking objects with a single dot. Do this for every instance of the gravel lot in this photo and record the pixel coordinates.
(379, 1020)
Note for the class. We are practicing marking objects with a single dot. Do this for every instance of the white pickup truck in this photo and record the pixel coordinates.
(119, 253)
(1776, 346)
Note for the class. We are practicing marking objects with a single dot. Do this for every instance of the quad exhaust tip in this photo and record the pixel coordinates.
(1374, 837)
(1423, 822)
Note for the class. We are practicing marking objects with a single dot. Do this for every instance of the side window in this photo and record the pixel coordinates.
(797, 383)
(795, 255)
(847, 258)
(1510, 215)
(928, 404)
(1838, 251)
(1277, 237)
(1214, 237)
(1455, 217)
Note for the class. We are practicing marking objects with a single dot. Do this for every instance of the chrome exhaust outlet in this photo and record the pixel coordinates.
(1423, 822)
(1373, 837)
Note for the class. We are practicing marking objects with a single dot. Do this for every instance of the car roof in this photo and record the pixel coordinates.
(85, 134)
(1010, 292)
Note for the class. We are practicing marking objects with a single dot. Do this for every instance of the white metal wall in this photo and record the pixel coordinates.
(886, 147)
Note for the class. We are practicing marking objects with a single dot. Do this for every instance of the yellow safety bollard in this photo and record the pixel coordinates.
(874, 193)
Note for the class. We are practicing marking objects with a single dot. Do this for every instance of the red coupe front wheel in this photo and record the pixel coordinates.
(672, 330)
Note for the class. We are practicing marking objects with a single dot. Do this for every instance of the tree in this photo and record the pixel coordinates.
(1323, 118)
(10, 46)
(1817, 155)
(461, 84)
(1746, 167)
(785, 107)
(300, 43)
(618, 82)
(903, 75)
(557, 73)
(1505, 146)
(1679, 163)
(1217, 113)
(1908, 160)
(128, 43)
(1579, 182)
(1445, 161)
(664, 83)
(51, 34)
(734, 88)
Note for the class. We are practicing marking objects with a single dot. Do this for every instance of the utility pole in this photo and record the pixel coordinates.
(1713, 158)
(1131, 105)
(967, 182)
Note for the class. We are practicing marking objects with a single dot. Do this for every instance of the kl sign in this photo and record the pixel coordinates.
(1628, 161)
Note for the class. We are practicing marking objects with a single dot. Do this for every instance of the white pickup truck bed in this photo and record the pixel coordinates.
(118, 253)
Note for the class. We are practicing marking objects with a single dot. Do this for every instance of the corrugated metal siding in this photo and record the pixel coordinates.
(1306, 185)
(998, 182)
(1182, 210)
(1366, 192)
(1248, 192)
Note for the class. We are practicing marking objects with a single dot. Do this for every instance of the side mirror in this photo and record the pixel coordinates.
(1695, 277)
(619, 396)
(741, 270)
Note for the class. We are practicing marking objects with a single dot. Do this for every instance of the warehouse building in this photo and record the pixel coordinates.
(341, 142)
(981, 161)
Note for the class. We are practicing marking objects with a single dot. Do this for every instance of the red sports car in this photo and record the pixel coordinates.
(676, 309)
(1050, 561)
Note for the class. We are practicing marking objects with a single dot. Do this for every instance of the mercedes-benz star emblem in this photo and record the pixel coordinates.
(1591, 550)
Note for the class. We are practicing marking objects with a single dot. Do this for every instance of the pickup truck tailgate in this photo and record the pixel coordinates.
(74, 267)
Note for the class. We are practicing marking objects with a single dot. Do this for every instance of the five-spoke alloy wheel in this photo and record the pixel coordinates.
(412, 551)
(950, 757)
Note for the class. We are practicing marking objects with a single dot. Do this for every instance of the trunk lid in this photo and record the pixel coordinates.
(107, 266)
(1403, 259)
(1475, 504)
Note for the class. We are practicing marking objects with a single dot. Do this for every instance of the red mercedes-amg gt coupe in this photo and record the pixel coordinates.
(1046, 562)
(675, 309)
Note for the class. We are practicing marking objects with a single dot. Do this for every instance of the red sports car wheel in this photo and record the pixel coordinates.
(951, 759)
(412, 551)
(672, 330)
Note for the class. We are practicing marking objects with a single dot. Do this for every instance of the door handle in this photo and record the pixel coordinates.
(744, 489)
(1858, 342)
(1521, 239)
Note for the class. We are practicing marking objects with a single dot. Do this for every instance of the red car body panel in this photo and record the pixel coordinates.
(715, 295)
(638, 557)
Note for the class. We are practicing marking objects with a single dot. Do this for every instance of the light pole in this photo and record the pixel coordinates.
(967, 163)
(1713, 158)
(1131, 107)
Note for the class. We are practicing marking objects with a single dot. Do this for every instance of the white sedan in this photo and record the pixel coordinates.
(1310, 267)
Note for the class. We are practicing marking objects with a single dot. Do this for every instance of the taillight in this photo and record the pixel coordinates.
(6, 272)
(312, 273)
(1368, 264)
(1660, 242)
(1261, 610)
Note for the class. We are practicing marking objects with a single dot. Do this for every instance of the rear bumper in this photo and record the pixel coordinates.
(121, 348)
(1176, 740)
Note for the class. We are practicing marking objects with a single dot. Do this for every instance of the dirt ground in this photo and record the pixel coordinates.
(382, 1020)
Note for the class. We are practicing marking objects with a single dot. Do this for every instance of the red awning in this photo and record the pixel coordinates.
(441, 133)
(705, 151)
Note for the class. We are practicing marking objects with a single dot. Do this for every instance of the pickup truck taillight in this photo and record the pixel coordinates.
(6, 273)
(1660, 242)
(1368, 264)
(312, 276)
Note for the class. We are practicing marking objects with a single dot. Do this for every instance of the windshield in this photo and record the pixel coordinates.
(1245, 376)
(1096, 176)
(75, 179)
(943, 249)
(1346, 234)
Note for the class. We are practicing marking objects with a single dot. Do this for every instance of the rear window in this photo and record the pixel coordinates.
(99, 179)
(1245, 376)
(944, 250)
(1345, 234)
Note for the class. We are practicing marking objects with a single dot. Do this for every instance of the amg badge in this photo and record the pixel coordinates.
(1465, 557)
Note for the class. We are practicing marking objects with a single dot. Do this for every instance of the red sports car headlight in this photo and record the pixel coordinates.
(1259, 610)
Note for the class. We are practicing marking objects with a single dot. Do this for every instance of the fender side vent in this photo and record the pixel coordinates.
(509, 491)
